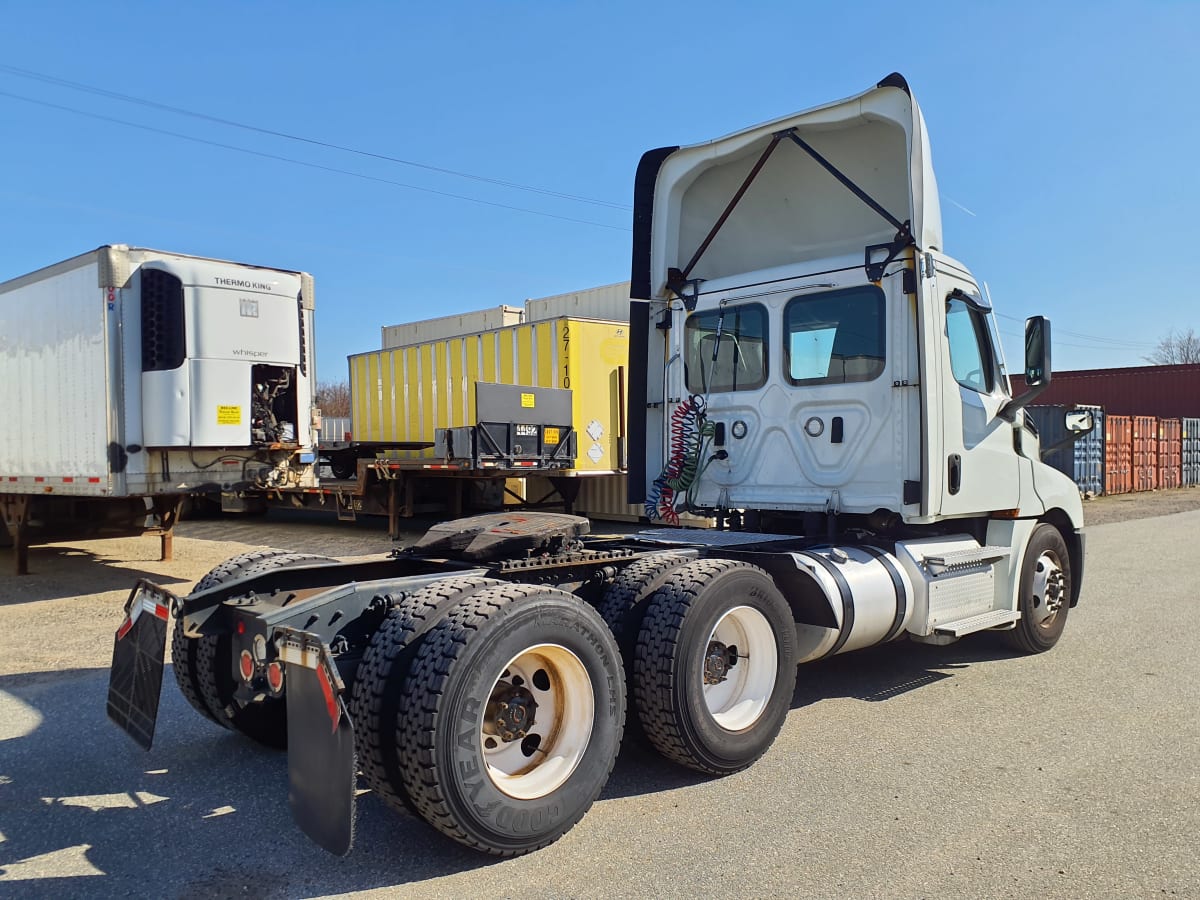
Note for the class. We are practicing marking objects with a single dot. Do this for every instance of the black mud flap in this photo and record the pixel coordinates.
(322, 768)
(135, 679)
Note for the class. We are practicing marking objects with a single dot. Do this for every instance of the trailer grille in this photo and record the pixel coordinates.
(303, 337)
(163, 344)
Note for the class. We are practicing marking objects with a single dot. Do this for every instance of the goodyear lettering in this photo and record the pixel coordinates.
(469, 739)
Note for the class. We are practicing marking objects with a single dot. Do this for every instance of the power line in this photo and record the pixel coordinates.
(141, 101)
(309, 165)
(1115, 342)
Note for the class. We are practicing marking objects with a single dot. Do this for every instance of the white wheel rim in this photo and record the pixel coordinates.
(740, 697)
(557, 681)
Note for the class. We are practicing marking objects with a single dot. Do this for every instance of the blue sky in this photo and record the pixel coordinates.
(1064, 138)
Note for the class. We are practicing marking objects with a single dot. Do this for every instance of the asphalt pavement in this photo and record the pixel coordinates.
(902, 771)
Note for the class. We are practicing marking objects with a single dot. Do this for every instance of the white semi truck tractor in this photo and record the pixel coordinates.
(809, 368)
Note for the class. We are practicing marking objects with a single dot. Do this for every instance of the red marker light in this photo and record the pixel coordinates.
(275, 677)
(241, 627)
(246, 663)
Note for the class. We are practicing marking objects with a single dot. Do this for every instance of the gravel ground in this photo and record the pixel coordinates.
(902, 771)
(1126, 507)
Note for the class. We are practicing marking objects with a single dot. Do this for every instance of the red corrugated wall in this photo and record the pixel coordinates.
(1145, 453)
(1118, 454)
(1168, 392)
(1170, 453)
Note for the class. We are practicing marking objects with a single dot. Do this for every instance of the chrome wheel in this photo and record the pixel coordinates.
(1049, 592)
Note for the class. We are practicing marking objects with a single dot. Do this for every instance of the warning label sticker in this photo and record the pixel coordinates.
(229, 415)
(527, 400)
(550, 435)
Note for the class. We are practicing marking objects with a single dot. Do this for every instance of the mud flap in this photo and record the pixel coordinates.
(135, 679)
(322, 768)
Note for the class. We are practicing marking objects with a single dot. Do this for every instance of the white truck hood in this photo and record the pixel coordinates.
(794, 209)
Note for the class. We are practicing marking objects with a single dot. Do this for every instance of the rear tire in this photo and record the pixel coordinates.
(383, 677)
(204, 666)
(513, 718)
(715, 665)
(1045, 598)
(623, 607)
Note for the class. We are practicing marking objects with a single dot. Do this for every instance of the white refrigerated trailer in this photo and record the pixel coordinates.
(131, 378)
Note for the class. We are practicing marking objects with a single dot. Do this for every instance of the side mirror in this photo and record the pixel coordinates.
(1037, 351)
(1037, 366)
(1079, 421)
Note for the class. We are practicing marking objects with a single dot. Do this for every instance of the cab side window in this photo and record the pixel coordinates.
(970, 348)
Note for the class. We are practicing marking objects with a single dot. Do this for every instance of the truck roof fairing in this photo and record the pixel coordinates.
(841, 178)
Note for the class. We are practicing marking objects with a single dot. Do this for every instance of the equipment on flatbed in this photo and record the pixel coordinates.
(818, 376)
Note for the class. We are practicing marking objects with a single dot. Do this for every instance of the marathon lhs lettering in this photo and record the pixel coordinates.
(241, 283)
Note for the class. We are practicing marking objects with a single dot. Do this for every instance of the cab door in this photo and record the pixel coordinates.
(980, 469)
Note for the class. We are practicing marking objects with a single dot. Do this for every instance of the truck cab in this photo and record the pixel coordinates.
(820, 353)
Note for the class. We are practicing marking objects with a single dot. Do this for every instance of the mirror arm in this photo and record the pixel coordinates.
(1010, 409)
(1067, 441)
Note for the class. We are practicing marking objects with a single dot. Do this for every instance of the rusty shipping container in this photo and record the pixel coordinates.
(1145, 453)
(1166, 391)
(1190, 445)
(1170, 453)
(1118, 454)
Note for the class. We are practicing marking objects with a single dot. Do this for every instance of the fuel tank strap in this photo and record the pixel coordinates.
(901, 595)
(847, 601)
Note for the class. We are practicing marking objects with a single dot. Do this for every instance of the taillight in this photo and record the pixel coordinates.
(246, 663)
(275, 677)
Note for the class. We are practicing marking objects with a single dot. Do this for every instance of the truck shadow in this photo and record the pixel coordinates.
(872, 675)
(205, 813)
(57, 571)
(877, 674)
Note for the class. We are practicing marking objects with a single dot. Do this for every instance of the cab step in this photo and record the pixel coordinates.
(963, 560)
(986, 620)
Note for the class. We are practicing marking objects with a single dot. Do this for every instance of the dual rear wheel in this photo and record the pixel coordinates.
(493, 710)
(203, 665)
(711, 659)
(496, 710)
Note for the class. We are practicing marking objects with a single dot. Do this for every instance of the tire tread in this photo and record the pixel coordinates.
(380, 682)
(428, 683)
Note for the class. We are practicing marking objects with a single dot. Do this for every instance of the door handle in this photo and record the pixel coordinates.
(954, 472)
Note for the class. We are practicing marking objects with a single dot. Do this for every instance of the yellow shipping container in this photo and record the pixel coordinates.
(407, 393)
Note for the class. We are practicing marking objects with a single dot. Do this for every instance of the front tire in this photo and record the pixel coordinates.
(715, 665)
(513, 718)
(1045, 592)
